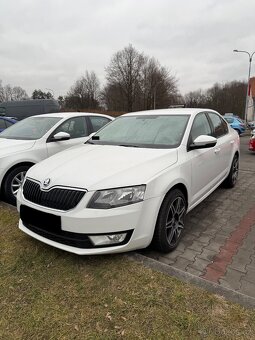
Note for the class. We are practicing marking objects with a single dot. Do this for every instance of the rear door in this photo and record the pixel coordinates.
(225, 143)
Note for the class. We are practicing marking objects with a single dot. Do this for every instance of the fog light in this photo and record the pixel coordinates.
(101, 240)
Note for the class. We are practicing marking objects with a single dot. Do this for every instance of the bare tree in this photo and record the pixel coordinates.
(159, 87)
(137, 82)
(84, 93)
(8, 93)
(228, 97)
(124, 74)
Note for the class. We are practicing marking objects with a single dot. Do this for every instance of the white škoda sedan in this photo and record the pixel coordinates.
(131, 184)
(36, 138)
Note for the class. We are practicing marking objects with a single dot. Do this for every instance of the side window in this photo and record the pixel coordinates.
(98, 122)
(219, 126)
(200, 126)
(76, 127)
(8, 123)
(2, 124)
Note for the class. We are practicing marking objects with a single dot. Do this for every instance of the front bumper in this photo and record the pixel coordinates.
(138, 220)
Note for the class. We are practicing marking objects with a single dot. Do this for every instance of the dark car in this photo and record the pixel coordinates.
(5, 122)
(25, 108)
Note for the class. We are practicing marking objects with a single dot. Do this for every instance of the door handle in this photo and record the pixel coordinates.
(232, 142)
(217, 150)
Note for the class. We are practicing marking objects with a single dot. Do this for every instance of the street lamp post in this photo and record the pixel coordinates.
(249, 74)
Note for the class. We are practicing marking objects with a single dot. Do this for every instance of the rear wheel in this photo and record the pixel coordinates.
(231, 180)
(13, 182)
(170, 222)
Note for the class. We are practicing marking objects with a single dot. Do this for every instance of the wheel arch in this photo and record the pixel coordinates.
(11, 168)
(182, 187)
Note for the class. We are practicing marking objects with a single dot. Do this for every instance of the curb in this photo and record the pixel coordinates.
(234, 296)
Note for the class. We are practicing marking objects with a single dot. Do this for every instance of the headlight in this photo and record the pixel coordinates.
(112, 198)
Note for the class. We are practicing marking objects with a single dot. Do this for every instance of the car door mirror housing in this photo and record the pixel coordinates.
(61, 136)
(203, 142)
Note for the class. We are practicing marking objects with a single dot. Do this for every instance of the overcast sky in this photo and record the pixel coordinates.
(50, 43)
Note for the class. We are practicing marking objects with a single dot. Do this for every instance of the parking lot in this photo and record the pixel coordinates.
(219, 240)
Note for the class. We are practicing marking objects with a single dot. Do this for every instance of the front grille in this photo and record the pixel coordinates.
(55, 198)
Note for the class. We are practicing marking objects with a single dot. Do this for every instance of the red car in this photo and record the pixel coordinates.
(252, 141)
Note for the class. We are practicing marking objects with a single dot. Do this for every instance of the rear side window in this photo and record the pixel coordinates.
(98, 122)
(220, 128)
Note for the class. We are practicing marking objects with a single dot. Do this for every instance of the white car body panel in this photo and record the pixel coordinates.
(99, 167)
(14, 152)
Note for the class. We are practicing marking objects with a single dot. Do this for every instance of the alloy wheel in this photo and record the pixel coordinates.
(175, 220)
(17, 182)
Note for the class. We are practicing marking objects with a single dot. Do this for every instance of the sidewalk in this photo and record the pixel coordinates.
(219, 240)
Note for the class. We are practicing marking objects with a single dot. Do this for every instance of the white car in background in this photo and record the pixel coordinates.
(131, 184)
(38, 137)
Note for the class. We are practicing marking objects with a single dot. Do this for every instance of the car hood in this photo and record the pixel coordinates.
(95, 167)
(11, 146)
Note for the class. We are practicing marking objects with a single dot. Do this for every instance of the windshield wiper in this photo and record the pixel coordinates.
(129, 145)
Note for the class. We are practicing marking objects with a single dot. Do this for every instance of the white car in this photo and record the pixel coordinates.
(131, 184)
(38, 137)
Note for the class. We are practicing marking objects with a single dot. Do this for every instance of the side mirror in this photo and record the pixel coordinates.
(61, 136)
(203, 142)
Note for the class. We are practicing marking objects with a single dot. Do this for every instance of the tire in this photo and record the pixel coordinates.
(170, 222)
(12, 183)
(231, 180)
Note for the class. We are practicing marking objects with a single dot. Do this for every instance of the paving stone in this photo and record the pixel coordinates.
(225, 284)
(197, 245)
(182, 263)
(247, 288)
(249, 242)
(173, 255)
(240, 262)
(233, 277)
(213, 245)
(190, 254)
(250, 274)
(207, 254)
(200, 264)
(204, 238)
(221, 239)
(193, 271)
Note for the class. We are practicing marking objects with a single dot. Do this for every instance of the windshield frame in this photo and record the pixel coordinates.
(94, 139)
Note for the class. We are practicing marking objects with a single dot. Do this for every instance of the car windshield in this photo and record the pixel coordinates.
(30, 128)
(145, 131)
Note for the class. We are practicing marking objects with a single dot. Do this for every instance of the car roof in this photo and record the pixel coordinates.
(72, 114)
(175, 111)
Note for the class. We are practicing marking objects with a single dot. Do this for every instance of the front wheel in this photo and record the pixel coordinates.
(231, 180)
(170, 222)
(13, 182)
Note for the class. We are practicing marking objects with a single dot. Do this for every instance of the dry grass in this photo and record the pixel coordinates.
(49, 294)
